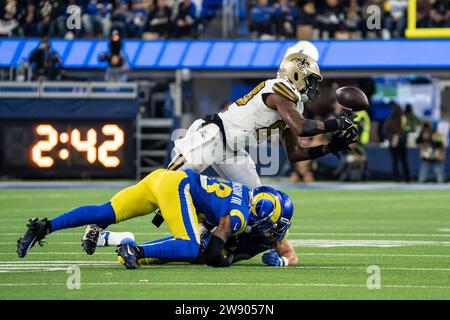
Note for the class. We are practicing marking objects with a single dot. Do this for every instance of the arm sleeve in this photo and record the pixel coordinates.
(213, 253)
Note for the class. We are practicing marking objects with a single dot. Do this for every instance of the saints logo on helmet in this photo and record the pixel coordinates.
(302, 72)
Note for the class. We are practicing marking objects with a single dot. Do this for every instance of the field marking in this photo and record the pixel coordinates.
(369, 234)
(337, 285)
(443, 230)
(62, 266)
(328, 243)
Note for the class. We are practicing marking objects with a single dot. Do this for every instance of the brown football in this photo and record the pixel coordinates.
(352, 98)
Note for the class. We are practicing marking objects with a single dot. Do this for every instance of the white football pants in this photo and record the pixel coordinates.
(203, 147)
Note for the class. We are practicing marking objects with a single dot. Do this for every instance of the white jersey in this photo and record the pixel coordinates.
(249, 118)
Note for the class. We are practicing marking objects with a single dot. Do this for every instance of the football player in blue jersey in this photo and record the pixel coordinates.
(269, 233)
(180, 195)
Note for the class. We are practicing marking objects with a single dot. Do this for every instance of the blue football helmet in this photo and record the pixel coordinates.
(271, 212)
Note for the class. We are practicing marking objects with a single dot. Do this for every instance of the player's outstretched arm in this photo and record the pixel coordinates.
(306, 127)
(213, 253)
(282, 256)
(296, 152)
(286, 250)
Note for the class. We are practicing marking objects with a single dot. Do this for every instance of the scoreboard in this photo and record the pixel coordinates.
(67, 148)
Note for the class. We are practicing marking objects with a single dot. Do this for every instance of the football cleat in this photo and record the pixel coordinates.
(36, 232)
(129, 254)
(90, 238)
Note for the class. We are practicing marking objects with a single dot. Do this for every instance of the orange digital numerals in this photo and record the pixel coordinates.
(89, 145)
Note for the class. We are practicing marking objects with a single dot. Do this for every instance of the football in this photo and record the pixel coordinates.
(352, 98)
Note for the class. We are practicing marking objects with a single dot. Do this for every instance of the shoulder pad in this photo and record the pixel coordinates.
(285, 91)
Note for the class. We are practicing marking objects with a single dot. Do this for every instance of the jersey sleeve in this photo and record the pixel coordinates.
(238, 221)
(285, 90)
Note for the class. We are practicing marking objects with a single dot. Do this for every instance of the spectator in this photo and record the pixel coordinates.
(121, 17)
(355, 166)
(97, 20)
(28, 19)
(45, 63)
(9, 17)
(46, 17)
(307, 14)
(158, 24)
(185, 21)
(423, 14)
(136, 25)
(432, 154)
(117, 69)
(393, 128)
(412, 122)
(330, 18)
(353, 17)
(395, 20)
(286, 18)
(262, 19)
(440, 14)
(303, 171)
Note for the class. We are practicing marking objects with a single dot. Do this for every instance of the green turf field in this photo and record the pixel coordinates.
(338, 235)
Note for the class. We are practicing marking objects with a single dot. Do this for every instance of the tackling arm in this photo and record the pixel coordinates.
(286, 250)
(213, 253)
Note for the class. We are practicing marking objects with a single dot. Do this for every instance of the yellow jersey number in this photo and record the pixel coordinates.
(221, 189)
(245, 99)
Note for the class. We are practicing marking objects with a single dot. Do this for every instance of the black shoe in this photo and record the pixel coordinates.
(36, 232)
(90, 238)
(130, 255)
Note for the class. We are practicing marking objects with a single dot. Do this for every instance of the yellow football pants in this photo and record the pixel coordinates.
(166, 190)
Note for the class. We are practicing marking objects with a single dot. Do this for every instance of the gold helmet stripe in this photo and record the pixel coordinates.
(284, 91)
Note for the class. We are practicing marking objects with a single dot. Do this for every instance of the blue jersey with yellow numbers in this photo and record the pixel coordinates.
(247, 245)
(214, 198)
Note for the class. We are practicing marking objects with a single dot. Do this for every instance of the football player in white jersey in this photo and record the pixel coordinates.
(219, 140)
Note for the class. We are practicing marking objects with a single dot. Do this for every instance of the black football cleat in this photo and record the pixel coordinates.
(36, 232)
(90, 238)
(129, 254)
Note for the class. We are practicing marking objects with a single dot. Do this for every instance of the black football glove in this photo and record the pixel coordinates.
(346, 122)
(340, 141)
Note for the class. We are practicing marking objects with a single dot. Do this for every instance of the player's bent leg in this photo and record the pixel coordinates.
(131, 202)
(198, 149)
(178, 211)
(171, 249)
(239, 168)
(37, 229)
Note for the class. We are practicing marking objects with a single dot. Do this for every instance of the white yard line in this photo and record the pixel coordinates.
(228, 284)
(65, 265)
(368, 234)
(365, 243)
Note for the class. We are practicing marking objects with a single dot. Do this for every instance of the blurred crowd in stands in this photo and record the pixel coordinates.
(264, 19)
(341, 19)
(148, 19)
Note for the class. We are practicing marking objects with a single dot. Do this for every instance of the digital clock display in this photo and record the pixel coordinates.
(67, 148)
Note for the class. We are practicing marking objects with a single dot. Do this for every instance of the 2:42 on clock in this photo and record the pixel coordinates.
(95, 150)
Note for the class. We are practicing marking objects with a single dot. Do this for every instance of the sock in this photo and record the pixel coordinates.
(102, 216)
(171, 249)
(110, 238)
